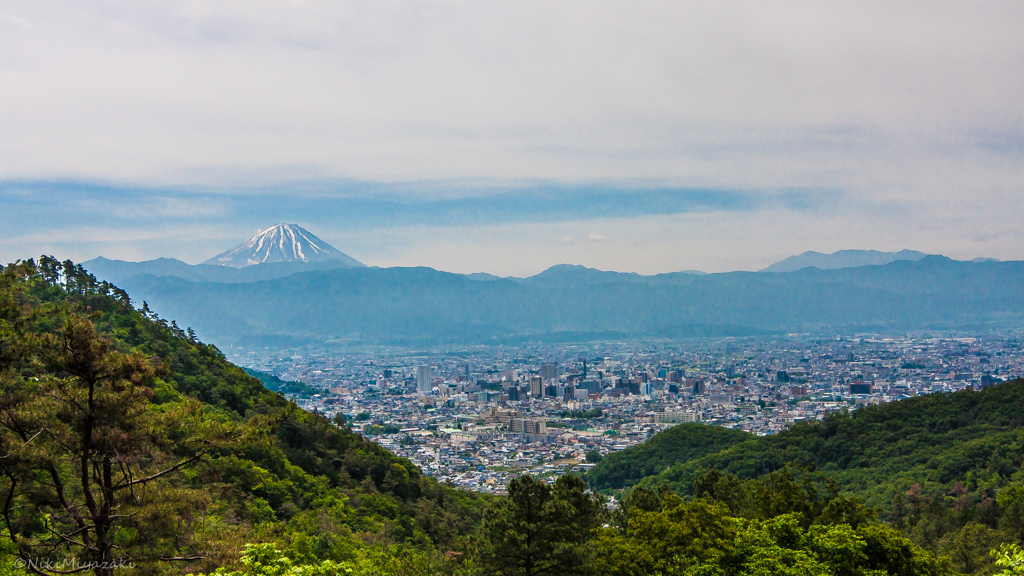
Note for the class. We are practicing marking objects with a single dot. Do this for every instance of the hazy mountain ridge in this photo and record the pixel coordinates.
(115, 271)
(388, 304)
(562, 275)
(842, 259)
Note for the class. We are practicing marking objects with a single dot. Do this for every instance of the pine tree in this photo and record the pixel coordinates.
(540, 529)
(82, 454)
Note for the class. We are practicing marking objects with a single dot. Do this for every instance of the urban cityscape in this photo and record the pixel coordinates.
(476, 417)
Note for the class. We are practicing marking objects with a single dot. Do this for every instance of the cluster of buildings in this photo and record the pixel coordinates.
(475, 417)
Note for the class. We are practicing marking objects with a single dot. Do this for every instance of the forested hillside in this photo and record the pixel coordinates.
(122, 436)
(945, 468)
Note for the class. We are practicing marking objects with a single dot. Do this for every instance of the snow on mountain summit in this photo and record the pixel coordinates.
(282, 243)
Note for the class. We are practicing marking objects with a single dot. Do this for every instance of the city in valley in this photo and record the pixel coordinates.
(476, 416)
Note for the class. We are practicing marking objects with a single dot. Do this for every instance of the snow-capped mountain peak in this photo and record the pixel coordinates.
(281, 243)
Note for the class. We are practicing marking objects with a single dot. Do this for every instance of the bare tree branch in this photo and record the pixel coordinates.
(22, 447)
(164, 472)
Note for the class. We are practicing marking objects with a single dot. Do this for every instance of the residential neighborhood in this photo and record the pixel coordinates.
(475, 417)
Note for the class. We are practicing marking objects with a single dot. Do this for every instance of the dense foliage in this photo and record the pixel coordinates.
(681, 443)
(780, 524)
(671, 536)
(122, 436)
(540, 529)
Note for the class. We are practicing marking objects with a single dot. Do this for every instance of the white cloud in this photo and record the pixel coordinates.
(740, 93)
(914, 104)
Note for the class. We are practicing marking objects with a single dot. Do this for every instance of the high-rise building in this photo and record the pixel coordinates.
(536, 387)
(549, 371)
(424, 379)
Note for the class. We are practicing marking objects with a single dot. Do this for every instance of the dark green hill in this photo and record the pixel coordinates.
(879, 451)
(677, 445)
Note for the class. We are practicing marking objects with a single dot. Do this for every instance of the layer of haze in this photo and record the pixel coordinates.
(150, 126)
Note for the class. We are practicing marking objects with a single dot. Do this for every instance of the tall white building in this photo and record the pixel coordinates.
(424, 379)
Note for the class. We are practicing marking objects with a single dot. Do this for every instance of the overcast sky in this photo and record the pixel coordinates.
(510, 136)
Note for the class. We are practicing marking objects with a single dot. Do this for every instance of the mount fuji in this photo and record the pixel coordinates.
(282, 243)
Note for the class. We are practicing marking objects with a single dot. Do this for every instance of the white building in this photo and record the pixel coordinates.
(424, 379)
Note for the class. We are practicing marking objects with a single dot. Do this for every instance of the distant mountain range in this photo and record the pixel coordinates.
(285, 303)
(116, 271)
(282, 243)
(842, 259)
(276, 252)
(848, 259)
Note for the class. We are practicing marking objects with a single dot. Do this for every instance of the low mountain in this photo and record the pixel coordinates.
(421, 304)
(563, 275)
(677, 445)
(282, 243)
(842, 259)
(117, 271)
(483, 277)
(567, 275)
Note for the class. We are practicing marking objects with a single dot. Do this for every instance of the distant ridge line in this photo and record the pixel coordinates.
(843, 259)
